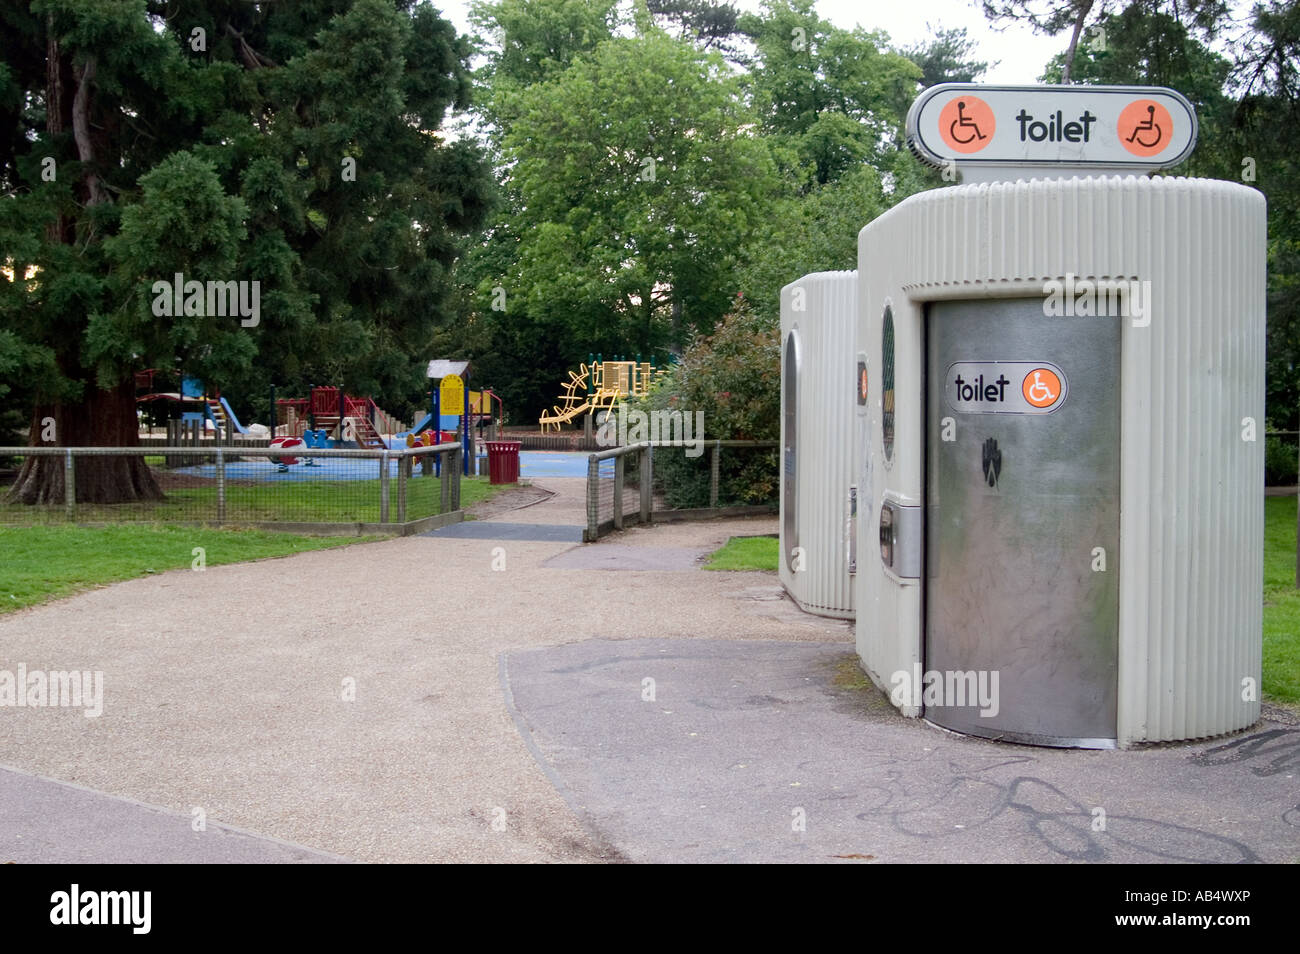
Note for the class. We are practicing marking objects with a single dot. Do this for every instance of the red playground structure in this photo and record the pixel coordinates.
(347, 420)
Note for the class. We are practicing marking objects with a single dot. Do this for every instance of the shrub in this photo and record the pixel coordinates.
(733, 376)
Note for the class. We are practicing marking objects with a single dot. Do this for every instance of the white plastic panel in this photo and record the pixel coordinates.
(1192, 368)
(820, 310)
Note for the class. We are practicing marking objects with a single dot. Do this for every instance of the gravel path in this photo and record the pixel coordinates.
(223, 689)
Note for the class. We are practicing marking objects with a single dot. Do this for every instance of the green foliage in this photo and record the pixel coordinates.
(947, 57)
(732, 376)
(231, 159)
(811, 233)
(639, 185)
(1280, 462)
(830, 98)
(45, 563)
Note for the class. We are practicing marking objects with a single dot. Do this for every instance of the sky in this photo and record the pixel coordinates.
(1021, 52)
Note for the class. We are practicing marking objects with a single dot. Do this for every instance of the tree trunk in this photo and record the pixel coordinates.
(107, 419)
(103, 418)
(1084, 9)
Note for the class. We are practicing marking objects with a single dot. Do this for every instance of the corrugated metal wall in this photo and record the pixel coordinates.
(825, 328)
(1191, 521)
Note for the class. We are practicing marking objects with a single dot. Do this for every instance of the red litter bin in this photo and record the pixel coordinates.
(503, 461)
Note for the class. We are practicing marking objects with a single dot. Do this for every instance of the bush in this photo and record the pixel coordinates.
(733, 376)
(1279, 462)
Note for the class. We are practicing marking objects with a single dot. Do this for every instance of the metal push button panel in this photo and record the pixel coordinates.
(1022, 528)
(900, 539)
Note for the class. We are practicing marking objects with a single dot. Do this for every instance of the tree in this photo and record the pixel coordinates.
(530, 41)
(708, 24)
(1056, 16)
(810, 233)
(296, 146)
(639, 179)
(830, 98)
(947, 57)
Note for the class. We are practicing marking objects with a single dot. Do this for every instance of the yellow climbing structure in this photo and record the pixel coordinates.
(611, 381)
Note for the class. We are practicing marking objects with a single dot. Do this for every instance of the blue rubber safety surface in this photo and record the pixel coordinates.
(531, 464)
(553, 464)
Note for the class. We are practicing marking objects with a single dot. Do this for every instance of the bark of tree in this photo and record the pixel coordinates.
(108, 419)
(104, 418)
(1084, 9)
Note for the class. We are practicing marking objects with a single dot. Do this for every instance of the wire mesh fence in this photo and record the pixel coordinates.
(317, 488)
(716, 474)
(674, 479)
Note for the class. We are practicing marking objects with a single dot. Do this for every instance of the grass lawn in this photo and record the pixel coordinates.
(43, 563)
(42, 557)
(319, 501)
(746, 553)
(1281, 602)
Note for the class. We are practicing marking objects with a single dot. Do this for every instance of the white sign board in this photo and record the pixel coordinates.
(1134, 128)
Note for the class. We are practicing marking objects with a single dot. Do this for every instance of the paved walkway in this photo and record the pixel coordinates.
(465, 698)
(224, 690)
(776, 751)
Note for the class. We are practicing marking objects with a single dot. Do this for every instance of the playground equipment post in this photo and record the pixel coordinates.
(437, 425)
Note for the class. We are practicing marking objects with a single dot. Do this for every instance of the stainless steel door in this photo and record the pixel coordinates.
(1022, 523)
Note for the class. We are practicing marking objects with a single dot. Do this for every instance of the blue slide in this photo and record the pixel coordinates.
(424, 422)
(230, 416)
(450, 422)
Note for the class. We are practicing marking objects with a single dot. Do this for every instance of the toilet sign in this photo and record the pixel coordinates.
(1005, 387)
(982, 129)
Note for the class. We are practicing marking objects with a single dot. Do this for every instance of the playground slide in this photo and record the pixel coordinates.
(418, 428)
(450, 422)
(230, 416)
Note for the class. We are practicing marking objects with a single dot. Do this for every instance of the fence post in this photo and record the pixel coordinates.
(714, 469)
(455, 478)
(383, 487)
(403, 471)
(444, 489)
(647, 465)
(221, 486)
(618, 491)
(593, 501)
(70, 485)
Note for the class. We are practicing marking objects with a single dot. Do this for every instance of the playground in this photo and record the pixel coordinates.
(531, 464)
(597, 388)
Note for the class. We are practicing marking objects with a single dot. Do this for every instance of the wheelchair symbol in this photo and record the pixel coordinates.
(1148, 126)
(964, 122)
(1041, 388)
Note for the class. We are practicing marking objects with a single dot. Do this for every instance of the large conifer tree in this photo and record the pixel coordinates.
(292, 144)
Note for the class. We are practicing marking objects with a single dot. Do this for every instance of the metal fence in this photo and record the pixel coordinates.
(674, 480)
(401, 491)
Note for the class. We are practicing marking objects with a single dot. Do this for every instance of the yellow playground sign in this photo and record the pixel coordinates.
(451, 395)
